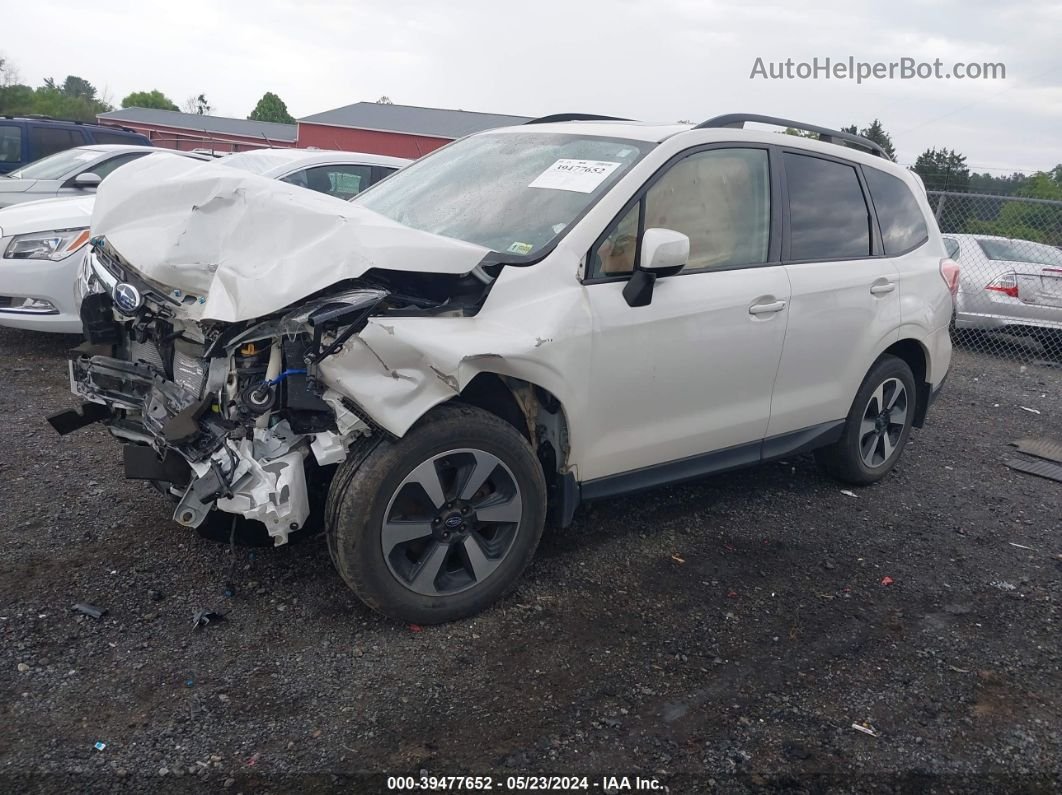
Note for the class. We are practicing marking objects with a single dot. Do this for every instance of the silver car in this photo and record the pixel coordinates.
(72, 172)
(1007, 284)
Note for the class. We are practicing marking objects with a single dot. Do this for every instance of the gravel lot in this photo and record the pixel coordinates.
(723, 635)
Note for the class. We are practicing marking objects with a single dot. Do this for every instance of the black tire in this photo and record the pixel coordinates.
(846, 459)
(449, 442)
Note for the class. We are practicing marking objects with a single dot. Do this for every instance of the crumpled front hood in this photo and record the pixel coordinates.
(247, 246)
(46, 215)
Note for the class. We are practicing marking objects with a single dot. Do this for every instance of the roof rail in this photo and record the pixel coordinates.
(738, 120)
(42, 117)
(574, 117)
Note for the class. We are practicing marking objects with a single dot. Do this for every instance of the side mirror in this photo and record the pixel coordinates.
(87, 180)
(665, 252)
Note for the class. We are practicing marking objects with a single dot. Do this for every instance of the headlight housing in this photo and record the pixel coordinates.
(87, 283)
(53, 245)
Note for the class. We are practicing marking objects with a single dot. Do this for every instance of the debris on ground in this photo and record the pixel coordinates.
(848, 493)
(1040, 448)
(866, 728)
(99, 746)
(1042, 469)
(677, 559)
(1031, 411)
(887, 580)
(22, 668)
(204, 617)
(415, 628)
(1003, 585)
(90, 610)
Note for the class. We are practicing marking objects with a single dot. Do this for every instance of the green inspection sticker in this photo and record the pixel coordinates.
(520, 248)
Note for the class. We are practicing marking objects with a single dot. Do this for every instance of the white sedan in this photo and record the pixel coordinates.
(43, 243)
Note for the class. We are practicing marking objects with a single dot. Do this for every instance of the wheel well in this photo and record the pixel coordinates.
(539, 417)
(912, 352)
(488, 392)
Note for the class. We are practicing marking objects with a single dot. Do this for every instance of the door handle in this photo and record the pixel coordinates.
(882, 288)
(766, 309)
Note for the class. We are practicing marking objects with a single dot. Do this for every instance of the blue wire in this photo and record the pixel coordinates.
(283, 375)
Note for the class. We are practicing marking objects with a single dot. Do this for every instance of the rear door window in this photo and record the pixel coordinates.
(828, 214)
(10, 143)
(342, 181)
(951, 245)
(49, 140)
(900, 218)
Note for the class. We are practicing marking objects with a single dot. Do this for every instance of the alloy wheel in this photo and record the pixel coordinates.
(884, 419)
(451, 522)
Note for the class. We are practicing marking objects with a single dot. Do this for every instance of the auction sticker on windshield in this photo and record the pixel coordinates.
(581, 176)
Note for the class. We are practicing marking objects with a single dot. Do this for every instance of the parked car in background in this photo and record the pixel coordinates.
(1007, 285)
(72, 172)
(340, 174)
(529, 317)
(42, 243)
(26, 139)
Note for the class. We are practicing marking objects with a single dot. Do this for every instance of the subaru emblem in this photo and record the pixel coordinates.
(453, 522)
(127, 298)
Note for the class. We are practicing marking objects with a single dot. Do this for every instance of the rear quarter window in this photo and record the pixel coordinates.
(903, 227)
(116, 138)
(49, 140)
(10, 143)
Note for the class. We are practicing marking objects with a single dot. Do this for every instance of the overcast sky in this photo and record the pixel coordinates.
(649, 59)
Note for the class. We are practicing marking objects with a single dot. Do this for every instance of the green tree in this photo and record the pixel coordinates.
(943, 169)
(1027, 220)
(73, 87)
(876, 133)
(149, 99)
(271, 108)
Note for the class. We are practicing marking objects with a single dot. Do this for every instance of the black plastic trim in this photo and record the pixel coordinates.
(738, 121)
(698, 466)
(558, 117)
(69, 421)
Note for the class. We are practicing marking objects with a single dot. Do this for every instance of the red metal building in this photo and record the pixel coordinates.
(371, 127)
(187, 131)
(396, 130)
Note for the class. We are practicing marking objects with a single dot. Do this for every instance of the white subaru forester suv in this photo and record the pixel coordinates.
(526, 319)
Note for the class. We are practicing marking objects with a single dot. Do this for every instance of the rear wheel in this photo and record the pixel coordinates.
(877, 425)
(441, 523)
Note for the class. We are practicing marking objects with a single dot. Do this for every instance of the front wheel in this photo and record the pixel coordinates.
(877, 425)
(441, 523)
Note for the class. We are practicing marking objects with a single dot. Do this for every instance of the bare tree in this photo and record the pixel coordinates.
(384, 100)
(197, 104)
(8, 73)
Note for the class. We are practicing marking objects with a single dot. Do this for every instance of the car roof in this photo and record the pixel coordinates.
(655, 133)
(105, 148)
(270, 162)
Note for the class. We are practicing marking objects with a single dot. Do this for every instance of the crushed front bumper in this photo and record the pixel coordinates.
(259, 474)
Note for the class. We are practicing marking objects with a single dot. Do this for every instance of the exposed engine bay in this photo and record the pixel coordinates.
(225, 415)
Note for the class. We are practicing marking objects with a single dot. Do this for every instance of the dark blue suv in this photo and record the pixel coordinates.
(24, 139)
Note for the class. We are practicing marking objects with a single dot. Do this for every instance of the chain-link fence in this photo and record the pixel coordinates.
(1009, 251)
